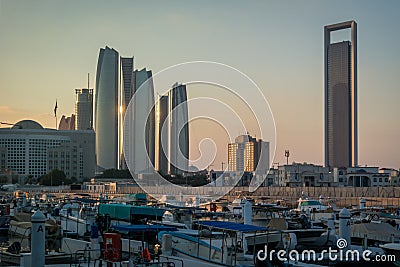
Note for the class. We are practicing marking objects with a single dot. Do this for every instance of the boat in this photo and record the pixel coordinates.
(392, 249)
(21, 225)
(19, 259)
(76, 218)
(306, 204)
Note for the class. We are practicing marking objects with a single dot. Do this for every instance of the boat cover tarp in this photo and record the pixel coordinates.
(231, 226)
(140, 197)
(124, 212)
(142, 227)
(145, 210)
(376, 231)
(116, 211)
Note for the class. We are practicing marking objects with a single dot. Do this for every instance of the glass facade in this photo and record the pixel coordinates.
(179, 129)
(341, 132)
(84, 109)
(139, 138)
(106, 109)
(126, 95)
(162, 135)
(339, 81)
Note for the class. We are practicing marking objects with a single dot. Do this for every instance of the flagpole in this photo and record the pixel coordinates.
(55, 113)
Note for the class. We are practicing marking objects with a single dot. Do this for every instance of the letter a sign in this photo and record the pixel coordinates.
(40, 229)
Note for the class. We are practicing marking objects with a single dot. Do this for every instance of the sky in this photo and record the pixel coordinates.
(48, 47)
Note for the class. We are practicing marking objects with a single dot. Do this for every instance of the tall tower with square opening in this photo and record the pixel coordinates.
(341, 97)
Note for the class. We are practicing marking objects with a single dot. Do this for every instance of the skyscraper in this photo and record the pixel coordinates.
(248, 154)
(341, 98)
(127, 88)
(84, 109)
(140, 118)
(179, 130)
(126, 80)
(106, 109)
(67, 123)
(162, 135)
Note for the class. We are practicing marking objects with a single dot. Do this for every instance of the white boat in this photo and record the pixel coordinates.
(76, 219)
(392, 249)
(23, 228)
(229, 245)
(306, 204)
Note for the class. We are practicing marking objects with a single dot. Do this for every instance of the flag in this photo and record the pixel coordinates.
(55, 110)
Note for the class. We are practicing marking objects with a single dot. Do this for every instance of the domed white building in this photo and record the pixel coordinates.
(28, 148)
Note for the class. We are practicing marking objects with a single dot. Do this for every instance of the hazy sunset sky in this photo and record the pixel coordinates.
(48, 47)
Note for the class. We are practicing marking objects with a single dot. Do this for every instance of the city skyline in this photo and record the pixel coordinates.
(285, 61)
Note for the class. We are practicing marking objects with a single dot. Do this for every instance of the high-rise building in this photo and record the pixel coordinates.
(179, 130)
(162, 129)
(67, 123)
(84, 109)
(127, 88)
(172, 131)
(141, 120)
(106, 109)
(126, 93)
(341, 98)
(248, 154)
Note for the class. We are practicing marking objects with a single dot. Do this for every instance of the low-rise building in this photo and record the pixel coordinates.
(100, 187)
(31, 150)
(366, 177)
(303, 174)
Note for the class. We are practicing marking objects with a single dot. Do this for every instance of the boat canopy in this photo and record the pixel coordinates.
(124, 212)
(230, 226)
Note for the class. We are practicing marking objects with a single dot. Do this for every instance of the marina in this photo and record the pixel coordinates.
(194, 134)
(82, 229)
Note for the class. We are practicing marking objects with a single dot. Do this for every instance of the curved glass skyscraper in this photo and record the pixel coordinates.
(139, 124)
(106, 109)
(179, 129)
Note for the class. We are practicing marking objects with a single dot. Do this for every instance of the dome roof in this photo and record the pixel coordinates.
(27, 124)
